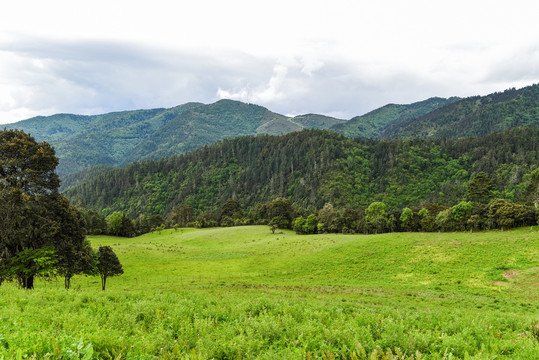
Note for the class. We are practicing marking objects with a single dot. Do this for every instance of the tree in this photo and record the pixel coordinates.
(299, 224)
(425, 220)
(115, 222)
(95, 223)
(180, 215)
(505, 214)
(120, 225)
(311, 224)
(460, 214)
(108, 264)
(231, 209)
(532, 187)
(32, 220)
(74, 254)
(480, 188)
(279, 222)
(330, 219)
(26, 164)
(444, 220)
(29, 263)
(406, 218)
(75, 259)
(376, 216)
(206, 219)
(281, 207)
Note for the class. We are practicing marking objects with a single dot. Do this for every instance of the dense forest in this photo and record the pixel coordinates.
(473, 116)
(314, 167)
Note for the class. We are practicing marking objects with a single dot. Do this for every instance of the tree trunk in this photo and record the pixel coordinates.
(103, 282)
(67, 282)
(28, 282)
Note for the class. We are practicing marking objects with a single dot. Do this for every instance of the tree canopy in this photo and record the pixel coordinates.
(108, 264)
(33, 216)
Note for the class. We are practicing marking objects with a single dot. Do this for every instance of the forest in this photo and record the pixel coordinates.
(367, 185)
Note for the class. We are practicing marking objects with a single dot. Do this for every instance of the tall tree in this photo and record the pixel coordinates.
(28, 188)
(376, 216)
(480, 188)
(231, 208)
(34, 218)
(74, 254)
(281, 207)
(26, 164)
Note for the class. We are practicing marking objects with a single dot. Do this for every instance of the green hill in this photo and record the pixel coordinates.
(313, 167)
(243, 293)
(205, 125)
(372, 124)
(122, 137)
(474, 116)
(85, 141)
(118, 138)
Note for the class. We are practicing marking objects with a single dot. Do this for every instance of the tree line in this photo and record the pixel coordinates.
(479, 211)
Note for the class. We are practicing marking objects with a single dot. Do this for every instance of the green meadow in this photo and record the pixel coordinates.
(245, 293)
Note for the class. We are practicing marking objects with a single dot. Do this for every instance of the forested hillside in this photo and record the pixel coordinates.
(84, 141)
(314, 167)
(474, 116)
(372, 124)
(122, 137)
(205, 125)
(116, 139)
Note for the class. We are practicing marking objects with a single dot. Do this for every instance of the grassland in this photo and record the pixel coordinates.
(245, 293)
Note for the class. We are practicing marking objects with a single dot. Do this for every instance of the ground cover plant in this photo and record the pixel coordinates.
(243, 292)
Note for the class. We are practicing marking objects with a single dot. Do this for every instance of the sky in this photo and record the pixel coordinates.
(339, 58)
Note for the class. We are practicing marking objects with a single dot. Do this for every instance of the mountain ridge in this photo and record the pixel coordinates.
(473, 116)
(373, 123)
(118, 138)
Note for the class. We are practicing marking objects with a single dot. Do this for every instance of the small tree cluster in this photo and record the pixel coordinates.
(41, 233)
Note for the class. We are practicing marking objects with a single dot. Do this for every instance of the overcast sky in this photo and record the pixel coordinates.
(340, 58)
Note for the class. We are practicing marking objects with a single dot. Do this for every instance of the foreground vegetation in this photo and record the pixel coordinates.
(247, 293)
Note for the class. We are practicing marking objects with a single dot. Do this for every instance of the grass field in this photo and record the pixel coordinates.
(245, 293)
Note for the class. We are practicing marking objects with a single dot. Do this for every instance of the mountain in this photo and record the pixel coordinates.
(84, 141)
(314, 167)
(116, 139)
(474, 116)
(372, 124)
(224, 119)
(121, 137)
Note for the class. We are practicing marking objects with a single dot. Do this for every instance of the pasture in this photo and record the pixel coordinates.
(243, 292)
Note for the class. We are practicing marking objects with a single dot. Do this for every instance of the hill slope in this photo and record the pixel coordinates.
(85, 141)
(474, 116)
(315, 167)
(121, 137)
(372, 124)
(205, 125)
(244, 293)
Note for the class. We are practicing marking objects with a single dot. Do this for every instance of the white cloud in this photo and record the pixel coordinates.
(334, 57)
(268, 93)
